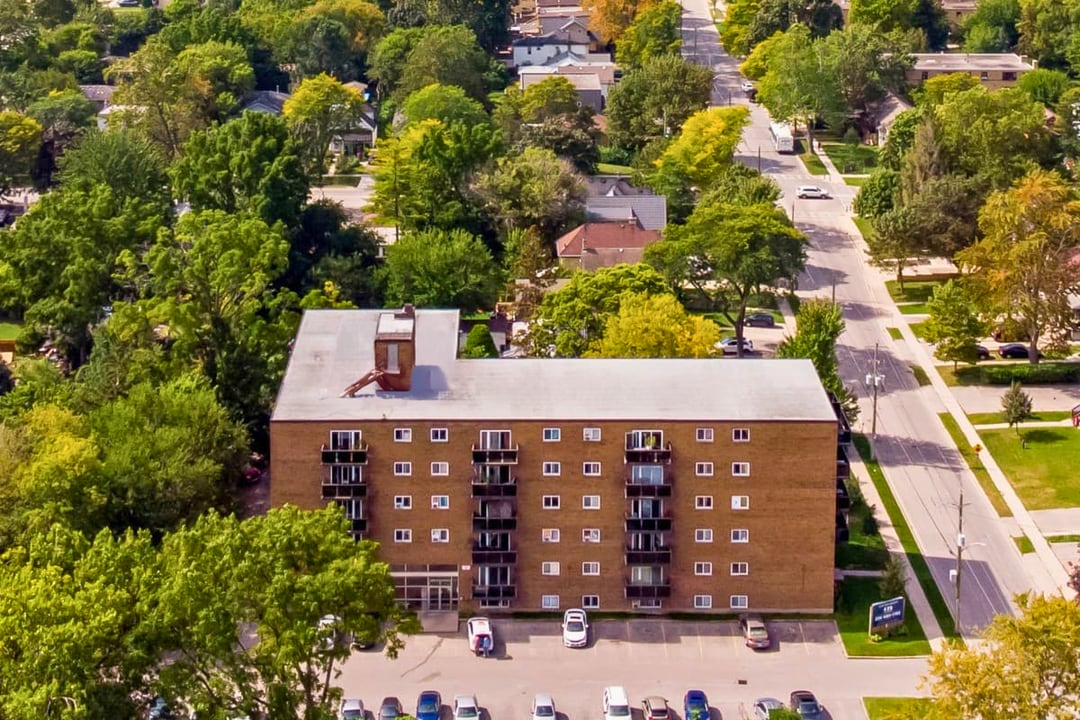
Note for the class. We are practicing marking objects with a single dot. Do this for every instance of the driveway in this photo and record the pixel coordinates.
(647, 656)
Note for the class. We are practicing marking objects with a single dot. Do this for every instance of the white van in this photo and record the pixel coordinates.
(616, 703)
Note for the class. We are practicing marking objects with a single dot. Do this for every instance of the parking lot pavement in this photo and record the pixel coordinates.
(661, 657)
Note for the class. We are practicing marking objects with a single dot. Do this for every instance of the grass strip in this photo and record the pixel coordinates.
(976, 466)
(852, 620)
(995, 418)
(1062, 538)
(1023, 544)
(894, 708)
(813, 164)
(895, 333)
(907, 540)
(920, 375)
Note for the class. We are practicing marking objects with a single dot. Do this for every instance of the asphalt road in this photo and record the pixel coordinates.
(648, 657)
(920, 461)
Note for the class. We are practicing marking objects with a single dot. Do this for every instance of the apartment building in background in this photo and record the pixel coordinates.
(544, 484)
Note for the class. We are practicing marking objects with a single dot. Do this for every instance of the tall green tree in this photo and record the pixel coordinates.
(1044, 86)
(549, 114)
(655, 326)
(776, 16)
(446, 103)
(437, 268)
(20, 140)
(448, 55)
(654, 32)
(954, 326)
(1015, 406)
(798, 86)
(654, 101)
(864, 64)
(992, 27)
(819, 324)
(479, 343)
(63, 117)
(320, 107)
(130, 165)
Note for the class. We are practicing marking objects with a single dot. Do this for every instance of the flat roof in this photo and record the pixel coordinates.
(966, 62)
(335, 347)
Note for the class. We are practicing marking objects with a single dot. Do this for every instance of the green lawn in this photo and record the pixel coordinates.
(862, 551)
(793, 302)
(865, 228)
(852, 159)
(888, 708)
(920, 375)
(919, 328)
(1023, 544)
(855, 181)
(895, 333)
(611, 169)
(995, 418)
(915, 291)
(1044, 473)
(976, 465)
(852, 618)
(1062, 538)
(913, 308)
(813, 164)
(907, 540)
(9, 331)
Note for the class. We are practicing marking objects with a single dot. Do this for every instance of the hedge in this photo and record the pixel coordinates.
(1026, 374)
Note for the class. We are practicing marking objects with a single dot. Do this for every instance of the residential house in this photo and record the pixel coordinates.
(595, 245)
(358, 136)
(614, 199)
(675, 485)
(267, 101)
(100, 95)
(993, 70)
(885, 112)
(956, 11)
(590, 91)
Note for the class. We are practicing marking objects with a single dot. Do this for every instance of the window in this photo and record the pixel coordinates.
(703, 602)
(590, 502)
(403, 502)
(591, 434)
(403, 468)
(402, 434)
(402, 536)
(646, 475)
(1007, 75)
(590, 602)
(740, 469)
(440, 502)
(346, 474)
(592, 469)
(345, 440)
(739, 602)
(740, 502)
(644, 439)
(440, 468)
(740, 435)
(740, 536)
(704, 435)
(552, 434)
(703, 469)
(440, 535)
(495, 440)
(549, 602)
(549, 535)
(703, 535)
(590, 535)
(703, 502)
(740, 568)
(646, 575)
(647, 604)
(549, 568)
(440, 435)
(550, 502)
(984, 76)
(590, 568)
(703, 568)
(552, 468)
(925, 75)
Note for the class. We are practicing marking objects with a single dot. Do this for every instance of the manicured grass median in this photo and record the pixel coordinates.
(895, 333)
(852, 619)
(907, 540)
(813, 164)
(855, 181)
(1063, 538)
(1041, 416)
(913, 308)
(915, 291)
(851, 159)
(1023, 544)
(887, 708)
(920, 375)
(865, 228)
(919, 329)
(9, 331)
(1044, 474)
(977, 468)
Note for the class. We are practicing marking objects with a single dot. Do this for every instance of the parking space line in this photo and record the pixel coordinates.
(802, 634)
(700, 647)
(629, 642)
(663, 636)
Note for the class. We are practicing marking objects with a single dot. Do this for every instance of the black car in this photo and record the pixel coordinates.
(765, 320)
(805, 705)
(390, 709)
(981, 352)
(1014, 351)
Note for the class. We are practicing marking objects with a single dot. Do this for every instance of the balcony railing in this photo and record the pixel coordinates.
(492, 556)
(659, 453)
(635, 523)
(358, 525)
(660, 556)
(639, 591)
(636, 487)
(495, 456)
(843, 500)
(485, 489)
(843, 467)
(490, 522)
(493, 592)
(356, 456)
(342, 491)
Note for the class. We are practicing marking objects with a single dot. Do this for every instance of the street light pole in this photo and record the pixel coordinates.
(874, 379)
(960, 542)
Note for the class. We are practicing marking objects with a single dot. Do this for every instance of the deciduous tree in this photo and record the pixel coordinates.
(798, 86)
(655, 326)
(655, 100)
(130, 165)
(992, 28)
(954, 326)
(320, 107)
(1015, 406)
(610, 18)
(20, 139)
(1044, 86)
(819, 324)
(655, 31)
(437, 268)
(446, 103)
(479, 343)
(448, 55)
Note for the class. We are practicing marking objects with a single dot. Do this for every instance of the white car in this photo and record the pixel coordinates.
(812, 191)
(465, 707)
(729, 346)
(764, 707)
(746, 86)
(352, 709)
(481, 636)
(616, 703)
(575, 628)
(543, 707)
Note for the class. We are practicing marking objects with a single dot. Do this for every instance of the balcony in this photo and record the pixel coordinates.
(493, 592)
(659, 556)
(495, 456)
(843, 427)
(656, 454)
(343, 491)
(637, 591)
(843, 467)
(493, 556)
(842, 532)
(636, 487)
(490, 522)
(843, 500)
(358, 525)
(645, 524)
(356, 456)
(486, 489)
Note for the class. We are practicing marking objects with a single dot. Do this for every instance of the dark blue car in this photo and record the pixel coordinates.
(428, 705)
(695, 705)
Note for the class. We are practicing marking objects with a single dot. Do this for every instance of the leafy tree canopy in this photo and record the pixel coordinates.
(437, 268)
(655, 326)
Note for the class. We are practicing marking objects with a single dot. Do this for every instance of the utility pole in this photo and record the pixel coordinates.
(960, 543)
(759, 159)
(874, 379)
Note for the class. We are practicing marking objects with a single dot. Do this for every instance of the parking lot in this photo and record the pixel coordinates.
(648, 657)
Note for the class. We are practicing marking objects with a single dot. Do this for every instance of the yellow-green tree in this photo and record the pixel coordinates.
(320, 107)
(655, 326)
(705, 146)
(610, 18)
(654, 32)
(1028, 667)
(20, 137)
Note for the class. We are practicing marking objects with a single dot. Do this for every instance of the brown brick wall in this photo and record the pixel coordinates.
(790, 519)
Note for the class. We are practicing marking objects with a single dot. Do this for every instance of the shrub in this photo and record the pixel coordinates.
(1042, 374)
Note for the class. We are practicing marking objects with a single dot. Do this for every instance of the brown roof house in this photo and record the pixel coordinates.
(597, 245)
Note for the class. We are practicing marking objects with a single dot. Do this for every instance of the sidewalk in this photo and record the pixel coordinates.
(1038, 423)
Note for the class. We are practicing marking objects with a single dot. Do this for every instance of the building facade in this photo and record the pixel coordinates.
(992, 70)
(615, 485)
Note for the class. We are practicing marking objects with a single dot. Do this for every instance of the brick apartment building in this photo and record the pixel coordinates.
(529, 484)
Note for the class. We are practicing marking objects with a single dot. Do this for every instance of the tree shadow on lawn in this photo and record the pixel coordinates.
(1038, 436)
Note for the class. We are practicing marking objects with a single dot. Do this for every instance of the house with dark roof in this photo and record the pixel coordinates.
(268, 101)
(614, 199)
(100, 95)
(596, 245)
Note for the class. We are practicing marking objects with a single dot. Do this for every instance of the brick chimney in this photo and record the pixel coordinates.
(395, 348)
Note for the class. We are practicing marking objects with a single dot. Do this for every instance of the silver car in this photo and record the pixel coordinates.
(465, 707)
(543, 707)
(812, 191)
(764, 707)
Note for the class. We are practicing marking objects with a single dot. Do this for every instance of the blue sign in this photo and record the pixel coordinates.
(886, 614)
